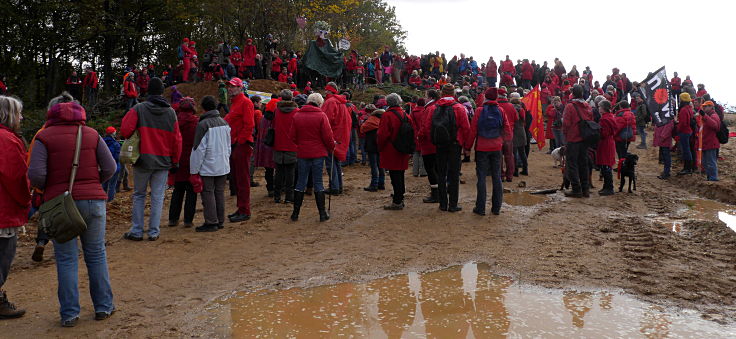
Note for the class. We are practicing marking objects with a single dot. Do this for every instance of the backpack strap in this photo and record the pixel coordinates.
(75, 163)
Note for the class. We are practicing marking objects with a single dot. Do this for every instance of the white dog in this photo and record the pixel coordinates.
(559, 156)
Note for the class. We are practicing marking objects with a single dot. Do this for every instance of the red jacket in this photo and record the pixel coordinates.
(572, 115)
(292, 67)
(187, 126)
(415, 80)
(508, 66)
(129, 89)
(684, 117)
(527, 71)
(236, 58)
(241, 120)
(283, 77)
(606, 152)
(711, 125)
(90, 80)
(509, 114)
(283, 122)
(249, 55)
(425, 141)
(483, 144)
(551, 113)
(624, 117)
(155, 121)
(461, 120)
(417, 117)
(311, 133)
(491, 69)
(341, 123)
(15, 196)
(676, 83)
(388, 130)
(701, 93)
(142, 80)
(276, 65)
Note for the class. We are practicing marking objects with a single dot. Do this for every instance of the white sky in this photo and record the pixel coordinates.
(696, 38)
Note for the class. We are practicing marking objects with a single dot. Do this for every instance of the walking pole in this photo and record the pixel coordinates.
(332, 166)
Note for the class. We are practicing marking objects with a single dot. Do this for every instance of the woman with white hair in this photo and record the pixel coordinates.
(313, 137)
(391, 159)
(15, 197)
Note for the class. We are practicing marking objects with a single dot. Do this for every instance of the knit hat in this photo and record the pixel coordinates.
(708, 103)
(331, 89)
(492, 93)
(300, 100)
(293, 86)
(685, 97)
(448, 89)
(502, 92)
(186, 103)
(110, 130)
(156, 87)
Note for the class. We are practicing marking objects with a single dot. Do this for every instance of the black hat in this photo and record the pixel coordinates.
(156, 87)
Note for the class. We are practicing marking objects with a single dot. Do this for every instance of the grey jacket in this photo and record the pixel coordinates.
(211, 151)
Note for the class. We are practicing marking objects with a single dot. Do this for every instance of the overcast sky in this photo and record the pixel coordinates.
(696, 38)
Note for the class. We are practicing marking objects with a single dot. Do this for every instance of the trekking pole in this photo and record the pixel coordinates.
(332, 166)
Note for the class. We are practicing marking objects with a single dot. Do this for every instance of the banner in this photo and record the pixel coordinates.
(533, 102)
(265, 97)
(657, 97)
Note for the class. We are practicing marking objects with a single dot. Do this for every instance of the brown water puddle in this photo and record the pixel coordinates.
(523, 199)
(459, 302)
(713, 210)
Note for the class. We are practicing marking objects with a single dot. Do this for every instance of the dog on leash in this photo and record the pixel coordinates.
(558, 155)
(627, 168)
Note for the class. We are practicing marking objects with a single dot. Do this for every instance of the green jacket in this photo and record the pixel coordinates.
(642, 115)
(222, 93)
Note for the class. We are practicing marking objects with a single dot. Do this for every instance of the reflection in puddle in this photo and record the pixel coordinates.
(523, 199)
(459, 302)
(713, 210)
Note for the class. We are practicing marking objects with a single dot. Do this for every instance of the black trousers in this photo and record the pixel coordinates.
(397, 181)
(448, 174)
(7, 254)
(430, 163)
(576, 168)
(284, 181)
(269, 179)
(622, 148)
(182, 189)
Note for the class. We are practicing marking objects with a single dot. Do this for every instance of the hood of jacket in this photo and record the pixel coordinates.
(157, 104)
(209, 114)
(287, 106)
(340, 98)
(66, 113)
(446, 101)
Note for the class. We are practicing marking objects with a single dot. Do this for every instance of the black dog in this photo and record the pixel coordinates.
(628, 170)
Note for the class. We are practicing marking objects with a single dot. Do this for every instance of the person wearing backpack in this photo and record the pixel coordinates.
(685, 119)
(391, 133)
(627, 122)
(508, 140)
(448, 128)
(711, 126)
(576, 166)
(487, 134)
(606, 151)
(426, 147)
(642, 119)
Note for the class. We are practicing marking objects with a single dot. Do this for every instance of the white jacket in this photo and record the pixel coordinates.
(211, 152)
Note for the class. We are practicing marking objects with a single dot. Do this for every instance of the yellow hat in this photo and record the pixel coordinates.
(685, 97)
(708, 103)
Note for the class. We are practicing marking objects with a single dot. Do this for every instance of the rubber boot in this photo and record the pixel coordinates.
(298, 199)
(432, 198)
(320, 198)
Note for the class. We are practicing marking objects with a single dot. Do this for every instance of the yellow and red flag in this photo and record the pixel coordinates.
(533, 103)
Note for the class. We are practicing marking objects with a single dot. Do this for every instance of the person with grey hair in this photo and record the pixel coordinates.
(312, 135)
(390, 158)
(284, 149)
(15, 198)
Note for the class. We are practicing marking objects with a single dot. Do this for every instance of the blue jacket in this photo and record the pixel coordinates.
(114, 147)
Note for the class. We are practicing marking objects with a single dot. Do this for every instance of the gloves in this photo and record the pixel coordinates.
(197, 184)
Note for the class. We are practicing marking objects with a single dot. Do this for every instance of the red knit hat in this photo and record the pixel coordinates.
(293, 86)
(110, 130)
(331, 89)
(492, 93)
(501, 92)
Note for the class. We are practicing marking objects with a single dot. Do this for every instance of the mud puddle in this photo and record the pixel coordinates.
(713, 210)
(523, 199)
(459, 302)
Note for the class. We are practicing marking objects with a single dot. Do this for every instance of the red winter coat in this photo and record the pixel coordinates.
(483, 144)
(527, 71)
(624, 117)
(417, 116)
(508, 66)
(276, 65)
(711, 124)
(236, 58)
(606, 152)
(187, 126)
(509, 114)
(283, 122)
(415, 80)
(142, 81)
(425, 140)
(388, 130)
(129, 89)
(241, 120)
(155, 121)
(283, 77)
(292, 67)
(491, 69)
(461, 120)
(663, 135)
(551, 113)
(249, 55)
(15, 196)
(311, 133)
(341, 123)
(701, 93)
(572, 114)
(676, 83)
(90, 80)
(683, 119)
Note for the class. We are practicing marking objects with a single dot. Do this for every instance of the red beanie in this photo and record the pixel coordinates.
(186, 40)
(502, 92)
(110, 130)
(293, 86)
(331, 89)
(492, 93)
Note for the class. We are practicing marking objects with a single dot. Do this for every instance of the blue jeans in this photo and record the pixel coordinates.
(685, 146)
(667, 159)
(559, 137)
(336, 175)
(378, 174)
(352, 149)
(141, 179)
(111, 186)
(95, 257)
(488, 163)
(491, 81)
(309, 166)
(363, 154)
(642, 130)
(710, 163)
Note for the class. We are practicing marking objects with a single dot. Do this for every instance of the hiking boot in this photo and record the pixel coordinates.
(574, 194)
(371, 189)
(381, 187)
(686, 168)
(130, 236)
(641, 146)
(188, 225)
(207, 228)
(7, 309)
(605, 192)
(524, 172)
(298, 199)
(332, 191)
(232, 215)
(38, 253)
(103, 315)
(454, 209)
(319, 197)
(663, 176)
(479, 212)
(70, 323)
(173, 223)
(239, 217)
(586, 193)
(277, 198)
(432, 198)
(496, 212)
(220, 225)
(153, 238)
(394, 207)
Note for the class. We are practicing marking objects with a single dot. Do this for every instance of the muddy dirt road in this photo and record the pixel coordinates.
(624, 242)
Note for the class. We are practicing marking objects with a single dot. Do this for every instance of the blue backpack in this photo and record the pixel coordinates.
(180, 53)
(490, 122)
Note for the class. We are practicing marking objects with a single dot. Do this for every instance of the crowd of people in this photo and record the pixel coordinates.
(297, 137)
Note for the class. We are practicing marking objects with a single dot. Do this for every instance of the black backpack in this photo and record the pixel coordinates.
(490, 122)
(404, 142)
(444, 129)
(722, 133)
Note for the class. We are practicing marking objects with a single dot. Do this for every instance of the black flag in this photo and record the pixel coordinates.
(657, 97)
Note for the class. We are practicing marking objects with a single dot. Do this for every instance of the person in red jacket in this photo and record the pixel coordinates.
(606, 151)
(685, 118)
(142, 80)
(15, 197)
(415, 81)
(283, 76)
(284, 149)
(701, 91)
(527, 73)
(449, 156)
(676, 86)
(336, 109)
(426, 147)
(312, 134)
(275, 65)
(392, 160)
(626, 121)
(90, 84)
(710, 125)
(242, 122)
(182, 184)
(507, 67)
(576, 166)
(491, 72)
(508, 140)
(488, 139)
(249, 58)
(186, 59)
(130, 92)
